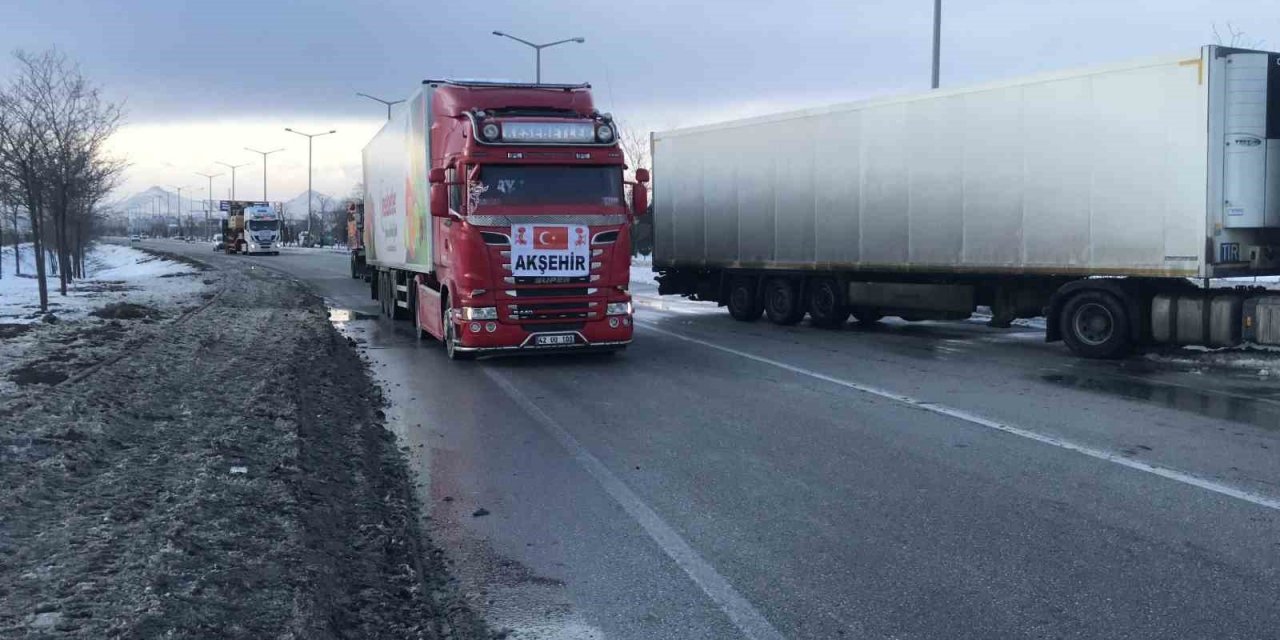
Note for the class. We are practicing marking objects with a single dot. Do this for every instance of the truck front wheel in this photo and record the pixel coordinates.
(744, 302)
(782, 301)
(826, 305)
(1095, 325)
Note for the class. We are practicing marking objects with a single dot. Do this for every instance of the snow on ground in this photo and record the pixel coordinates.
(115, 274)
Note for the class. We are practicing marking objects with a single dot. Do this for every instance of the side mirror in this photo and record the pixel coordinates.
(439, 196)
(642, 175)
(435, 176)
(640, 196)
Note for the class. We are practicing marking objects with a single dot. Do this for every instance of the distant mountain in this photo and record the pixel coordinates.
(157, 200)
(296, 208)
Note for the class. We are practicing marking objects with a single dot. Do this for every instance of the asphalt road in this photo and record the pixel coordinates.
(925, 480)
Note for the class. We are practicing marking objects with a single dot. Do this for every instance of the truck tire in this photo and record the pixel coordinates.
(866, 315)
(782, 301)
(373, 279)
(826, 304)
(1095, 324)
(744, 301)
(355, 271)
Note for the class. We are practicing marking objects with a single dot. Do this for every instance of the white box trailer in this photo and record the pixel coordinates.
(1014, 194)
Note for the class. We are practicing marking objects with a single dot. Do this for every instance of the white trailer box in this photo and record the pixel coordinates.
(398, 225)
(1160, 167)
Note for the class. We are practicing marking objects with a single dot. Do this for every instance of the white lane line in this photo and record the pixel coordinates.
(741, 613)
(960, 414)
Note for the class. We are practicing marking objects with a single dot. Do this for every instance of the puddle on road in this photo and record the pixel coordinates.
(1222, 406)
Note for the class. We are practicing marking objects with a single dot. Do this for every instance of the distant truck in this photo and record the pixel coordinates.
(1105, 200)
(355, 239)
(251, 227)
(496, 219)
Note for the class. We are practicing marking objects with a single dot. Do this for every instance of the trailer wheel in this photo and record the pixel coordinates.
(865, 315)
(826, 305)
(744, 303)
(355, 272)
(1095, 325)
(373, 279)
(782, 301)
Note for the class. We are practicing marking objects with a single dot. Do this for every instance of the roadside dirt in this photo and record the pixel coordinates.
(231, 478)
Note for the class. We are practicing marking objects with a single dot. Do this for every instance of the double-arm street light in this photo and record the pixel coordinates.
(208, 208)
(233, 168)
(537, 48)
(179, 204)
(264, 155)
(386, 102)
(310, 137)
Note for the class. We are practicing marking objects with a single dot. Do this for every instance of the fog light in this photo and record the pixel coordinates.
(613, 322)
(626, 322)
(475, 327)
(491, 327)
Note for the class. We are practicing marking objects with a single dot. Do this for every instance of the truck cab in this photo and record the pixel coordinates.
(528, 228)
(262, 229)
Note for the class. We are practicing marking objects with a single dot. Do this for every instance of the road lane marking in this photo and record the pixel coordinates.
(973, 418)
(741, 613)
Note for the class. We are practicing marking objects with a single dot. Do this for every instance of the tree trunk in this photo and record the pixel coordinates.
(17, 243)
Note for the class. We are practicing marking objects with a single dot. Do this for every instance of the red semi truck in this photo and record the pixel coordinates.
(496, 219)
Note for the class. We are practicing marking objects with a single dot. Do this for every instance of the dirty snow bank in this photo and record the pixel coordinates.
(115, 274)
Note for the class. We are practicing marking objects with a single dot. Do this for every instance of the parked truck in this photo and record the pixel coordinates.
(1107, 200)
(250, 227)
(497, 221)
(355, 239)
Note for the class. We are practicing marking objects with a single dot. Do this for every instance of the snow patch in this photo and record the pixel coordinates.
(115, 274)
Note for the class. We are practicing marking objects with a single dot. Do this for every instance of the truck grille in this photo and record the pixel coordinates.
(550, 311)
(550, 293)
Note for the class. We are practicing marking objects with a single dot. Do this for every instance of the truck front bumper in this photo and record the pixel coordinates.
(596, 335)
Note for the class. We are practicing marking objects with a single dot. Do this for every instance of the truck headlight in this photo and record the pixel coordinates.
(618, 309)
(604, 133)
(479, 313)
(490, 131)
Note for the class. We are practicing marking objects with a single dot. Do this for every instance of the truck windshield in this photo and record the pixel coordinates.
(541, 185)
(261, 225)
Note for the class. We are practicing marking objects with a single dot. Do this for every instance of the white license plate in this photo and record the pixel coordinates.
(560, 339)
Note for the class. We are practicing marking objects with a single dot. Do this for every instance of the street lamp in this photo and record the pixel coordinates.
(179, 205)
(386, 102)
(937, 39)
(537, 48)
(233, 168)
(264, 168)
(310, 137)
(208, 209)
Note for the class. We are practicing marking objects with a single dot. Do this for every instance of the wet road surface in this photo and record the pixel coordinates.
(926, 480)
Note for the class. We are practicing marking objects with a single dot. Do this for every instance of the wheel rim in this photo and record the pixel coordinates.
(450, 337)
(824, 301)
(1094, 324)
(780, 300)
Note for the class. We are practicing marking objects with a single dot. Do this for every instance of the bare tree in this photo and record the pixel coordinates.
(1237, 39)
(54, 126)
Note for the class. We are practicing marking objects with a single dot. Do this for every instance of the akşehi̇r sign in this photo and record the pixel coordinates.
(540, 250)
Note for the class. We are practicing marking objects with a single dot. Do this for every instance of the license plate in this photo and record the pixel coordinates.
(568, 338)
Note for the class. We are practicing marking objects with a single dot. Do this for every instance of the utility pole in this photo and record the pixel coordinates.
(264, 155)
(937, 39)
(310, 194)
(233, 168)
(208, 208)
(537, 50)
(179, 209)
(386, 102)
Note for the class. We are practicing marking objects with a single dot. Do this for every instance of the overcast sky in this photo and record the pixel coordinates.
(202, 80)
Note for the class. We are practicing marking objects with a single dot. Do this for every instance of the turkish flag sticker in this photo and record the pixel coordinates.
(551, 238)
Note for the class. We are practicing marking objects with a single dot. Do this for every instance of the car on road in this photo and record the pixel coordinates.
(217, 242)
(135, 238)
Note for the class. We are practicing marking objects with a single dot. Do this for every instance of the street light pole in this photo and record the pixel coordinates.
(208, 208)
(937, 39)
(310, 137)
(537, 48)
(386, 102)
(179, 206)
(264, 168)
(233, 168)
